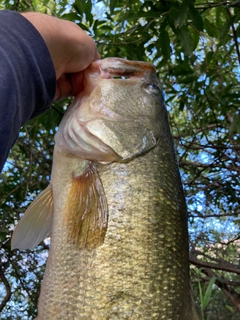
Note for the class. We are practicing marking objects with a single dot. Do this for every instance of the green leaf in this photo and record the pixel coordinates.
(134, 16)
(235, 125)
(97, 23)
(230, 308)
(172, 14)
(72, 16)
(206, 61)
(181, 105)
(182, 69)
(188, 79)
(210, 28)
(88, 11)
(226, 91)
(200, 290)
(195, 38)
(79, 6)
(208, 293)
(185, 40)
(83, 26)
(108, 16)
(196, 18)
(219, 21)
(224, 31)
(164, 42)
(113, 5)
(182, 14)
(238, 31)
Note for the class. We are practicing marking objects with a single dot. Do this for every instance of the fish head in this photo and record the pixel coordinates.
(119, 114)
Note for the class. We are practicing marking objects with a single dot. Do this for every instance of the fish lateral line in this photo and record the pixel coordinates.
(86, 210)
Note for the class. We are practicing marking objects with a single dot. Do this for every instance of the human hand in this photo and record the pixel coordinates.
(71, 49)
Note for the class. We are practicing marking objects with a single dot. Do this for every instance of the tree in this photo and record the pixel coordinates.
(195, 48)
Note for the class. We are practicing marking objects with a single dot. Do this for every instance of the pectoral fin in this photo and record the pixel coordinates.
(87, 210)
(36, 223)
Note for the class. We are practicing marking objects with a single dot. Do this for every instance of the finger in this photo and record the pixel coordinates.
(69, 85)
(63, 88)
(77, 83)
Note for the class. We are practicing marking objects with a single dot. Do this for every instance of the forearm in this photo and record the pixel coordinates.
(27, 77)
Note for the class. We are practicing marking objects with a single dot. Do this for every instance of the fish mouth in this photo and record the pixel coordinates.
(113, 67)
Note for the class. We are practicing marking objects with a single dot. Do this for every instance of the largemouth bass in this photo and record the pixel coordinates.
(115, 207)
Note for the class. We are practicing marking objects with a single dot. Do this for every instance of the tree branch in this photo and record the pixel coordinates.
(7, 287)
(199, 215)
(207, 165)
(219, 261)
(209, 5)
(200, 264)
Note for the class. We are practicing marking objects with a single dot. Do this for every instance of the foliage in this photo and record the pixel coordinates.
(195, 48)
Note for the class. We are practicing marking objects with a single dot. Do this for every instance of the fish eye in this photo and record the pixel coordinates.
(151, 88)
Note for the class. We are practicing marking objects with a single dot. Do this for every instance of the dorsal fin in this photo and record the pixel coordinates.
(87, 210)
(36, 223)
